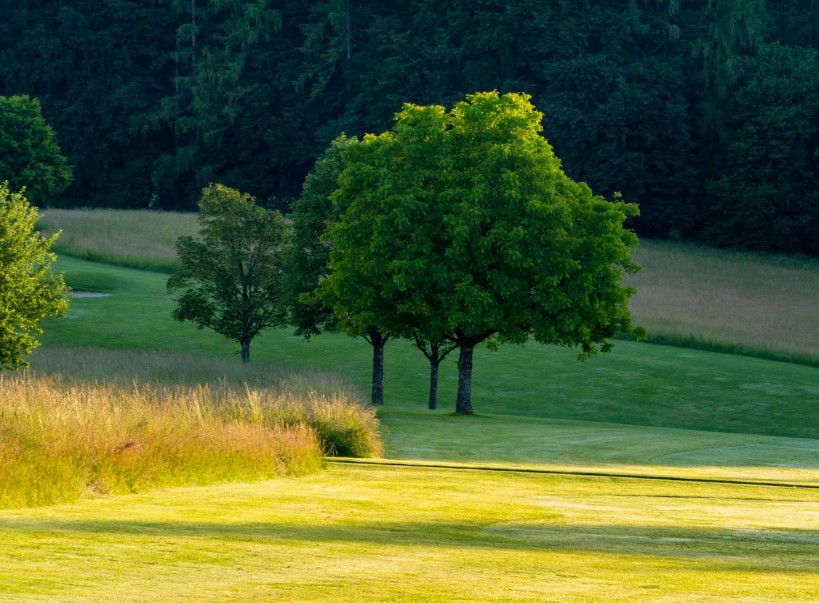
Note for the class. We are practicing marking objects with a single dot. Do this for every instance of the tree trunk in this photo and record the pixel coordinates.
(378, 342)
(245, 350)
(463, 406)
(434, 365)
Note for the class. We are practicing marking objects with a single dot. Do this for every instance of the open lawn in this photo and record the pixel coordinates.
(636, 384)
(652, 473)
(381, 534)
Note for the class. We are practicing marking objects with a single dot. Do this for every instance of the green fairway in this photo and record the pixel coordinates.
(636, 384)
(361, 533)
(649, 474)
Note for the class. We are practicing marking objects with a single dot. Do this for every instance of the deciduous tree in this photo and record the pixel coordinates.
(29, 291)
(231, 277)
(29, 154)
(460, 226)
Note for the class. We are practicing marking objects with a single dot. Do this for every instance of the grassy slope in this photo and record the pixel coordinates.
(136, 238)
(636, 384)
(737, 301)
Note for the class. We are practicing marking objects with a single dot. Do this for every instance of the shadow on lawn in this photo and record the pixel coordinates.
(764, 550)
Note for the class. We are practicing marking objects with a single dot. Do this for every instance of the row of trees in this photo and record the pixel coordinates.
(451, 229)
(704, 112)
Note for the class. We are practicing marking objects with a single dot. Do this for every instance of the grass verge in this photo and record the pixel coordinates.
(67, 439)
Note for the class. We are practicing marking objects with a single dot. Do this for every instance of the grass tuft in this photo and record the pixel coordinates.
(344, 429)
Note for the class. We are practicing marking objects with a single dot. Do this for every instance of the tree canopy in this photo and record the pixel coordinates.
(29, 154)
(231, 277)
(457, 226)
(153, 100)
(29, 290)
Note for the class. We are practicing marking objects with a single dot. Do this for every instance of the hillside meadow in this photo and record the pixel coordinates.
(653, 473)
(739, 302)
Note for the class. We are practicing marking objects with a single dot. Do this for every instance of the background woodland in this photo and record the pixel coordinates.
(705, 112)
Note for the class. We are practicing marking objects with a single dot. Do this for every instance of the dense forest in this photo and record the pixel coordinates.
(705, 112)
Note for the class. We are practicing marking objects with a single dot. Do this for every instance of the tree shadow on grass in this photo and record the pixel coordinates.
(792, 550)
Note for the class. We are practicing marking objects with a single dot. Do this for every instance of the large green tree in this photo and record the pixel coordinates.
(29, 291)
(461, 226)
(29, 154)
(309, 252)
(231, 277)
(353, 287)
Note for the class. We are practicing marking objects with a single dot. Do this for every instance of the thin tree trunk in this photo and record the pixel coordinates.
(378, 342)
(245, 351)
(348, 30)
(434, 365)
(463, 405)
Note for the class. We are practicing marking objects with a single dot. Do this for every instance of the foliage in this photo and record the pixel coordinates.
(768, 194)
(29, 291)
(309, 252)
(461, 226)
(29, 155)
(231, 277)
(153, 100)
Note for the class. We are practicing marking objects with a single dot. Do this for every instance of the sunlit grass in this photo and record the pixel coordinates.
(67, 438)
(389, 534)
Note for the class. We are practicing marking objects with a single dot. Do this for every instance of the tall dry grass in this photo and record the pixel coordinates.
(133, 238)
(93, 422)
(61, 441)
(743, 302)
(125, 367)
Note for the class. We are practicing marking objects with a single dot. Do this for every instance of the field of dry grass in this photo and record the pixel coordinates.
(740, 301)
(134, 238)
(96, 432)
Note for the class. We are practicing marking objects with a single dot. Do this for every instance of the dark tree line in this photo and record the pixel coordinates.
(705, 112)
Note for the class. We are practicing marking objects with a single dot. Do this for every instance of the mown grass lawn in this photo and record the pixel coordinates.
(635, 384)
(374, 533)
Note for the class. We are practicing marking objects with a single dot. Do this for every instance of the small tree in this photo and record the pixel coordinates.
(29, 154)
(29, 291)
(231, 277)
